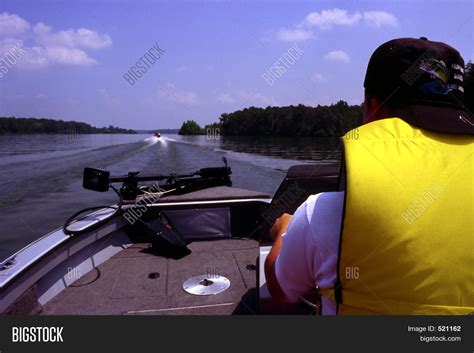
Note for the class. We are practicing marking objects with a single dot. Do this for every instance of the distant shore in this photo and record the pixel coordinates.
(320, 121)
(14, 125)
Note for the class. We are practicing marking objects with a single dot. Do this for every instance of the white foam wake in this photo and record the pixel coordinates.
(163, 140)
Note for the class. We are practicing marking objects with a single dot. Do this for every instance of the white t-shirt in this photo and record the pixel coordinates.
(308, 256)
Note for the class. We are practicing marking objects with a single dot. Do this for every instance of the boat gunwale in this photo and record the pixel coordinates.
(32, 253)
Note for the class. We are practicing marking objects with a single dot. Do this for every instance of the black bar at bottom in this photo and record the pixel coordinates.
(269, 333)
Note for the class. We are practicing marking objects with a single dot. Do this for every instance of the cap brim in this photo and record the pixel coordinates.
(445, 119)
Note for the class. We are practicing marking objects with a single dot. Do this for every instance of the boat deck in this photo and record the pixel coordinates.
(137, 281)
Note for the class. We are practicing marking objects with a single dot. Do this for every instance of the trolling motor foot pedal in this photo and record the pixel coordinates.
(159, 246)
(166, 241)
(165, 231)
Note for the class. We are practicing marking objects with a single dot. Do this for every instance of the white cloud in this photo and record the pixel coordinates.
(328, 18)
(81, 38)
(41, 96)
(182, 68)
(46, 46)
(171, 93)
(338, 55)
(317, 77)
(257, 98)
(380, 19)
(11, 24)
(294, 35)
(10, 45)
(110, 98)
(225, 98)
(247, 98)
(62, 55)
(39, 56)
(340, 17)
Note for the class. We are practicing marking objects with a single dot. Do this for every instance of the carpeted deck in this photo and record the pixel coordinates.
(122, 285)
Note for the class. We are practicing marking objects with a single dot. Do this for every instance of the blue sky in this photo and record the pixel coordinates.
(74, 55)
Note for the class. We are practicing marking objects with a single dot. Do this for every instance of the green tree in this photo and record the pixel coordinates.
(333, 120)
(50, 126)
(190, 127)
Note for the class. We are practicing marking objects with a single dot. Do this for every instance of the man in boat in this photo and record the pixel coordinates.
(398, 238)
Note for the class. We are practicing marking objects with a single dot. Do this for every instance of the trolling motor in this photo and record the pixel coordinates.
(174, 184)
(100, 180)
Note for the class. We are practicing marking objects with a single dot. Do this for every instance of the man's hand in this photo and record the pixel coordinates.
(280, 226)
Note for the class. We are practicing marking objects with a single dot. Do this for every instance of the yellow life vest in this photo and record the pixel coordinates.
(407, 239)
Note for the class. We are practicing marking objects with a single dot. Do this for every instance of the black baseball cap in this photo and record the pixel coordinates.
(423, 81)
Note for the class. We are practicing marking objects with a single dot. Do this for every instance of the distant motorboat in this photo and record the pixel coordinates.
(157, 134)
(192, 221)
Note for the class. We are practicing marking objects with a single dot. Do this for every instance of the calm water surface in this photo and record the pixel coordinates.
(40, 175)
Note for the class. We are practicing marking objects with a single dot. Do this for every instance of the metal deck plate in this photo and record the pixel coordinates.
(206, 285)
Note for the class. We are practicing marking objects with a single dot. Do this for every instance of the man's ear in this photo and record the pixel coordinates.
(374, 109)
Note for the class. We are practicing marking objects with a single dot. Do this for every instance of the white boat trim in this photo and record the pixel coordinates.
(134, 312)
(200, 203)
(47, 243)
(43, 256)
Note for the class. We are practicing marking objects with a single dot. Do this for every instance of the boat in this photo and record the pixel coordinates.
(185, 245)
(157, 134)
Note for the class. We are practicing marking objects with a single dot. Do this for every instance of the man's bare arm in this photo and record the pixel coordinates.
(280, 227)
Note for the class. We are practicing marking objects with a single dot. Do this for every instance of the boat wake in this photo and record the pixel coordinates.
(163, 140)
(151, 140)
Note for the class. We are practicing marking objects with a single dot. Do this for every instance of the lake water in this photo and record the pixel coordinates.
(41, 175)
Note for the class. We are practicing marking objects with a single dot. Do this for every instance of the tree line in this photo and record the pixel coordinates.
(333, 120)
(191, 127)
(49, 126)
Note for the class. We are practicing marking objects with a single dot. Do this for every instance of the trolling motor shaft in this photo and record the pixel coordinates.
(100, 180)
